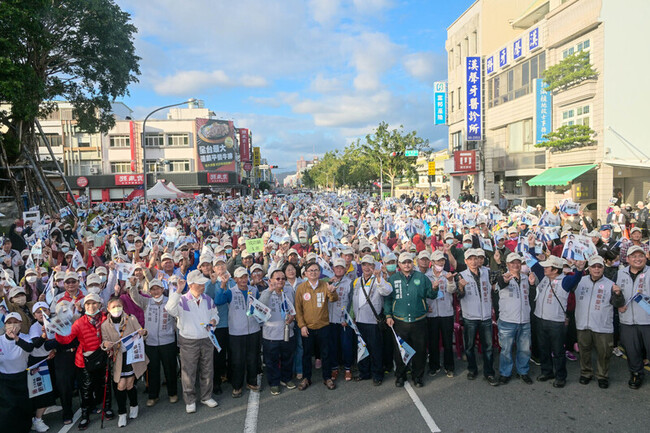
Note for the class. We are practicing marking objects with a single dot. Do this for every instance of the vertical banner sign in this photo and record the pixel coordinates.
(440, 101)
(134, 157)
(432, 168)
(244, 145)
(503, 57)
(473, 85)
(257, 157)
(215, 145)
(533, 39)
(489, 64)
(517, 50)
(543, 111)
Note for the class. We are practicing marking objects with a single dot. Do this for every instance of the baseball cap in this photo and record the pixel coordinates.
(155, 282)
(257, 267)
(512, 230)
(166, 256)
(596, 260)
(368, 259)
(437, 255)
(552, 261)
(636, 229)
(424, 254)
(514, 256)
(634, 249)
(605, 227)
(312, 256)
(338, 262)
(240, 272)
(471, 252)
(38, 305)
(467, 238)
(13, 316)
(94, 297)
(196, 277)
(390, 257)
(69, 275)
(205, 258)
(93, 279)
(15, 291)
(405, 257)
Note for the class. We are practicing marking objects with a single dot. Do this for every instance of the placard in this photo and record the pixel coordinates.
(255, 245)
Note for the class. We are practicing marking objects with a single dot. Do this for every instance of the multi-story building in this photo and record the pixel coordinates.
(516, 41)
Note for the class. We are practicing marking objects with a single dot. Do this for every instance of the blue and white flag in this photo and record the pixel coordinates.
(644, 301)
(39, 381)
(134, 346)
(362, 349)
(213, 338)
(406, 351)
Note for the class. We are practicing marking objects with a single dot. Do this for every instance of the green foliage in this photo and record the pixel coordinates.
(265, 186)
(572, 70)
(568, 137)
(78, 50)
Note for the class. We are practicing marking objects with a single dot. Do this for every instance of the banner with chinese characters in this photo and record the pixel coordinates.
(543, 111)
(215, 145)
(474, 107)
(440, 101)
(244, 145)
(129, 179)
(257, 157)
(217, 177)
(465, 161)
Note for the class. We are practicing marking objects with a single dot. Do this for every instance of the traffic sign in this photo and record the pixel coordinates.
(414, 152)
(432, 168)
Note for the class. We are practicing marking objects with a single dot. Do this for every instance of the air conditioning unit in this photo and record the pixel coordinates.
(94, 169)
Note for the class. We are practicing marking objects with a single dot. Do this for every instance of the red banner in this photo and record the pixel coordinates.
(217, 177)
(465, 161)
(244, 145)
(134, 156)
(129, 179)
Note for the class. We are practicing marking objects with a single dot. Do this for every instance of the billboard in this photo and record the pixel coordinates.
(465, 161)
(215, 145)
(257, 157)
(129, 179)
(474, 111)
(217, 177)
(440, 101)
(244, 145)
(134, 154)
(543, 111)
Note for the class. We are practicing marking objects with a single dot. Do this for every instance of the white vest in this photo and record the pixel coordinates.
(634, 315)
(159, 323)
(551, 300)
(440, 307)
(514, 305)
(593, 308)
(477, 302)
(239, 323)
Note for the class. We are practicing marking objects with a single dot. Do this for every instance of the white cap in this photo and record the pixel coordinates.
(15, 291)
(93, 279)
(471, 252)
(155, 282)
(205, 258)
(514, 256)
(347, 251)
(636, 229)
(40, 305)
(311, 256)
(166, 256)
(437, 255)
(257, 267)
(552, 261)
(424, 254)
(596, 260)
(512, 229)
(196, 277)
(92, 297)
(405, 257)
(240, 272)
(368, 259)
(390, 257)
(338, 262)
(13, 316)
(634, 249)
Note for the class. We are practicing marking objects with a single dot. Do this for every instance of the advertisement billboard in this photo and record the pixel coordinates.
(543, 111)
(215, 145)
(465, 161)
(440, 101)
(257, 157)
(474, 106)
(244, 145)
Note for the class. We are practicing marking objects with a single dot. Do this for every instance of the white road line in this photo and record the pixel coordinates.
(253, 409)
(75, 418)
(423, 410)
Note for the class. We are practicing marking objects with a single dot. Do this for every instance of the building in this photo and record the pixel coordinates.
(302, 164)
(515, 42)
(189, 148)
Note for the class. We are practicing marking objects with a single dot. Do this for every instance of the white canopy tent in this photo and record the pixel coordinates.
(174, 188)
(160, 191)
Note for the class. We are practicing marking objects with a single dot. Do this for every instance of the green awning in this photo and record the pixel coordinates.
(559, 175)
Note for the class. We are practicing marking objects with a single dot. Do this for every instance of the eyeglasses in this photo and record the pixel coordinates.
(313, 270)
(365, 250)
(280, 279)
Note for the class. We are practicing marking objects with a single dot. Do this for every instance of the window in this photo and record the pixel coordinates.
(474, 43)
(178, 139)
(176, 165)
(460, 99)
(451, 59)
(459, 55)
(577, 116)
(86, 166)
(155, 140)
(451, 98)
(121, 167)
(580, 46)
(516, 81)
(466, 46)
(119, 141)
(54, 139)
(520, 136)
(457, 141)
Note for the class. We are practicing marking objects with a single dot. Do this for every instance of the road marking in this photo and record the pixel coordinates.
(253, 409)
(75, 418)
(423, 410)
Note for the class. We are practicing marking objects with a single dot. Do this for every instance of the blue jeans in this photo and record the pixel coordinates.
(297, 360)
(484, 329)
(342, 341)
(510, 333)
(278, 360)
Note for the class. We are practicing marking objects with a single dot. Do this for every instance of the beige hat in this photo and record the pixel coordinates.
(31, 271)
(480, 252)
(467, 238)
(596, 260)
(197, 277)
(311, 256)
(390, 257)
(347, 251)
(512, 230)
(424, 254)
(437, 255)
(219, 258)
(156, 282)
(101, 270)
(339, 262)
(240, 272)
(205, 258)
(70, 275)
(471, 252)
(514, 256)
(449, 236)
(257, 267)
(166, 256)
(94, 297)
(552, 261)
(405, 257)
(636, 229)
(634, 249)
(292, 251)
(368, 259)
(15, 291)
(93, 279)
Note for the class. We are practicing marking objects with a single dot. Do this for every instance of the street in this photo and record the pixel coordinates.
(455, 405)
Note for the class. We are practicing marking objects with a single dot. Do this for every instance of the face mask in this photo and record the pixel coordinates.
(391, 268)
(88, 313)
(102, 278)
(158, 298)
(214, 246)
(19, 230)
(45, 279)
(438, 268)
(525, 269)
(94, 290)
(467, 246)
(65, 249)
(21, 300)
(449, 241)
(116, 311)
(31, 279)
(228, 250)
(59, 284)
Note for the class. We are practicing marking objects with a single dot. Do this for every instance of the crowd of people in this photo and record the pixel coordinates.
(355, 287)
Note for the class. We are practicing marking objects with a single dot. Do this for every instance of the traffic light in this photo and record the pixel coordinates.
(273, 166)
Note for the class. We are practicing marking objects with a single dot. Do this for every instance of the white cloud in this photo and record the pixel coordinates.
(191, 82)
(346, 110)
(324, 11)
(321, 84)
(372, 55)
(371, 6)
(423, 66)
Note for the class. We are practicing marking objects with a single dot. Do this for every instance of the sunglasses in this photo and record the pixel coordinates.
(280, 279)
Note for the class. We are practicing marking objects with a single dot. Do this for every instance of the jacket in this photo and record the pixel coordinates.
(239, 322)
(343, 290)
(128, 325)
(476, 302)
(443, 306)
(312, 305)
(89, 337)
(514, 302)
(359, 308)
(192, 318)
(273, 329)
(595, 303)
(160, 325)
(407, 301)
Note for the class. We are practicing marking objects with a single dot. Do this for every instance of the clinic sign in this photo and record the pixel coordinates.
(465, 161)
(473, 86)
(543, 111)
(440, 102)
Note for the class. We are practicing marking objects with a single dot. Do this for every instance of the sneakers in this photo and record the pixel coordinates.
(433, 371)
(304, 384)
(210, 402)
(109, 414)
(133, 412)
(617, 351)
(535, 361)
(525, 378)
(318, 364)
(471, 375)
(289, 385)
(236, 393)
(121, 420)
(399, 382)
(492, 381)
(418, 383)
(255, 388)
(348, 375)
(52, 409)
(275, 390)
(603, 383)
(152, 402)
(190, 408)
(450, 373)
(635, 381)
(559, 383)
(38, 425)
(173, 399)
(545, 377)
(570, 356)
(329, 383)
(504, 380)
(584, 380)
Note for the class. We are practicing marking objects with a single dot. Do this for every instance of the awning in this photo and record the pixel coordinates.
(559, 175)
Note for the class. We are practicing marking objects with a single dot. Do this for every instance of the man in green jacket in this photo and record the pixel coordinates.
(406, 311)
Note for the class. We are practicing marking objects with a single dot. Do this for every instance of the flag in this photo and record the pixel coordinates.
(77, 260)
(406, 351)
(39, 381)
(134, 346)
(138, 191)
(362, 349)
(286, 306)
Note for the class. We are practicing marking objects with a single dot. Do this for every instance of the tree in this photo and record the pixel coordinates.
(572, 70)
(265, 186)
(386, 148)
(307, 179)
(78, 50)
(568, 137)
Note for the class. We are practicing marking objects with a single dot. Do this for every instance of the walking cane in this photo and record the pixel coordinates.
(108, 361)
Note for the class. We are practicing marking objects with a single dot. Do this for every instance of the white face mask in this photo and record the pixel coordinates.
(20, 300)
(31, 279)
(158, 298)
(438, 268)
(95, 290)
(116, 311)
(102, 278)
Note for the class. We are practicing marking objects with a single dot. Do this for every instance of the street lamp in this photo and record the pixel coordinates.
(144, 140)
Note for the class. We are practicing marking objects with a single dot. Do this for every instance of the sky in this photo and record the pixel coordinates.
(303, 75)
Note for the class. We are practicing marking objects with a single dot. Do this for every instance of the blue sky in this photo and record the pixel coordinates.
(300, 74)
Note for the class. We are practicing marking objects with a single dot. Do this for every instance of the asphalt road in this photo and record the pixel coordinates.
(454, 404)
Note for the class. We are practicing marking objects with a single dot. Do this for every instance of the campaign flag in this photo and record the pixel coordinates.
(3, 312)
(406, 351)
(134, 346)
(286, 306)
(60, 324)
(362, 349)
(39, 381)
(643, 300)
(259, 311)
(77, 260)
